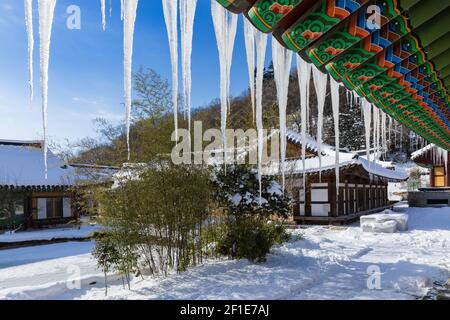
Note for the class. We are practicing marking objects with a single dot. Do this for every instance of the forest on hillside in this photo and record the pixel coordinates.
(152, 124)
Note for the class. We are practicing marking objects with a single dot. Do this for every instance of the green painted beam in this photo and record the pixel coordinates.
(442, 60)
(406, 4)
(434, 28)
(446, 71)
(438, 46)
(423, 11)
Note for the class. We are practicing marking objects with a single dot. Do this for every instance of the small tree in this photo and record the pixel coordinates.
(156, 217)
(106, 255)
(414, 181)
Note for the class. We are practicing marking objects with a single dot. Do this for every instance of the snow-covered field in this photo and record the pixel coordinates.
(329, 263)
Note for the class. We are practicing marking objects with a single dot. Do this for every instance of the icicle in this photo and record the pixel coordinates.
(282, 61)
(440, 155)
(225, 25)
(171, 19)
(390, 130)
(29, 26)
(121, 9)
(335, 105)
(187, 15)
(110, 8)
(232, 29)
(375, 120)
(383, 133)
(249, 35)
(446, 161)
(367, 109)
(304, 74)
(261, 46)
(401, 137)
(129, 12)
(46, 14)
(320, 83)
(395, 134)
(308, 91)
(103, 8)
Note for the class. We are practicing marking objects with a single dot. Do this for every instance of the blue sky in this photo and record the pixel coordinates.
(86, 68)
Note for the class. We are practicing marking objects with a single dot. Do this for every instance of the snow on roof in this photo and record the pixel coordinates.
(422, 151)
(22, 164)
(311, 143)
(379, 169)
(313, 165)
(20, 142)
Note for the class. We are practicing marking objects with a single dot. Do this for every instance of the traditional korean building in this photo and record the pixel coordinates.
(363, 185)
(27, 197)
(437, 161)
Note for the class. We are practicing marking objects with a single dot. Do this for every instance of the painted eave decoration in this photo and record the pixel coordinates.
(398, 61)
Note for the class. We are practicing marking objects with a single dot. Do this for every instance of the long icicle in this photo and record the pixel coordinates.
(367, 110)
(46, 14)
(103, 8)
(187, 16)
(231, 36)
(390, 131)
(383, 133)
(249, 35)
(261, 47)
(320, 83)
(129, 12)
(375, 127)
(335, 105)
(304, 74)
(171, 19)
(225, 25)
(282, 61)
(30, 35)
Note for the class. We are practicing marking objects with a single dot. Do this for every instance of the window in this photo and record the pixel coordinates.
(54, 208)
(19, 208)
(439, 177)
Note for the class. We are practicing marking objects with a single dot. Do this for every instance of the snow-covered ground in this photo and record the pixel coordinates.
(84, 231)
(397, 191)
(329, 263)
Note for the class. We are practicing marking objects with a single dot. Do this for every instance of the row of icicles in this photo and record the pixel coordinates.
(225, 27)
(46, 10)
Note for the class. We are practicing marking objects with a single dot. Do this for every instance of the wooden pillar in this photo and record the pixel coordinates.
(308, 207)
(332, 196)
(346, 199)
(365, 197)
(447, 172)
(432, 184)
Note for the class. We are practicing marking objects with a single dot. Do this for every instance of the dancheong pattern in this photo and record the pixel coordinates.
(378, 48)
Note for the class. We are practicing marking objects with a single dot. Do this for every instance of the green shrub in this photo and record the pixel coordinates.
(250, 238)
(248, 231)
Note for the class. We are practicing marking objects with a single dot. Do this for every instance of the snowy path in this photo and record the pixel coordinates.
(330, 263)
(42, 267)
